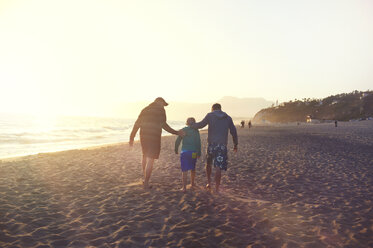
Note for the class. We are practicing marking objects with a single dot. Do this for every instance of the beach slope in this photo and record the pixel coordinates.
(288, 186)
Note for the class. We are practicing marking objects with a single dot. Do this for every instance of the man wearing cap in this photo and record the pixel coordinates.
(151, 121)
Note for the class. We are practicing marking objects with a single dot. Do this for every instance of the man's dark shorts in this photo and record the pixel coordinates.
(151, 147)
(218, 155)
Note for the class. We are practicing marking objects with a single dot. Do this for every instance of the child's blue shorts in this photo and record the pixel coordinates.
(188, 160)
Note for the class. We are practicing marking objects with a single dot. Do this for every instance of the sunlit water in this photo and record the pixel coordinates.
(25, 134)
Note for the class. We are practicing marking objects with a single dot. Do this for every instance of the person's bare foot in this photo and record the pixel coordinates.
(147, 186)
(183, 190)
(193, 187)
(208, 187)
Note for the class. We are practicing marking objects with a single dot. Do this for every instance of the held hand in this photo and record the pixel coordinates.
(181, 133)
(176, 152)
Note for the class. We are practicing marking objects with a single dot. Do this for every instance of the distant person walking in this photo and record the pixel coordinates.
(219, 124)
(150, 122)
(250, 124)
(336, 123)
(242, 124)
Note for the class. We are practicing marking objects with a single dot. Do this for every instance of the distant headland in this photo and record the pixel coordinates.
(357, 105)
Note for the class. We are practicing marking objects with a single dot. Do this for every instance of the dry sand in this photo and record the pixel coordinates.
(288, 186)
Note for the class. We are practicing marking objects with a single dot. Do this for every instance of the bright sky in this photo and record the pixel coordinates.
(83, 57)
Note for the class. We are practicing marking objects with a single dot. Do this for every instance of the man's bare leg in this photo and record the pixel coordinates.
(143, 163)
(208, 174)
(217, 178)
(148, 172)
(184, 179)
(192, 176)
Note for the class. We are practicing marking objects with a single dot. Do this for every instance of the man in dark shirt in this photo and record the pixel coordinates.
(219, 124)
(150, 122)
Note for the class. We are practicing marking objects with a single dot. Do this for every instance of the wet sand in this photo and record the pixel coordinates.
(288, 186)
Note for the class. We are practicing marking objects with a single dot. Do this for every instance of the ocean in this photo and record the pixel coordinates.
(26, 134)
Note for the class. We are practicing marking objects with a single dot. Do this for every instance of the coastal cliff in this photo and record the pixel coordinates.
(341, 107)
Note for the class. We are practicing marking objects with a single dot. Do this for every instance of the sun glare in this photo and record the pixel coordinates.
(44, 121)
(84, 57)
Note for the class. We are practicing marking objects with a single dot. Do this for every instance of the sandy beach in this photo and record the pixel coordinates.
(288, 186)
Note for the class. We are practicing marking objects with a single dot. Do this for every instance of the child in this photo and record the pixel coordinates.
(190, 151)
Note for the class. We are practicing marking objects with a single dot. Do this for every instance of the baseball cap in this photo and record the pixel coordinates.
(160, 99)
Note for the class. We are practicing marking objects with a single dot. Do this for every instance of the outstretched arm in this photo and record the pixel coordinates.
(200, 124)
(169, 129)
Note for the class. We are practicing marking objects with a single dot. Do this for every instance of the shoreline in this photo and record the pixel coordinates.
(22, 135)
(256, 125)
(20, 157)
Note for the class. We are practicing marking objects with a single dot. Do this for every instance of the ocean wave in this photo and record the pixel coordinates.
(117, 128)
(40, 141)
(24, 135)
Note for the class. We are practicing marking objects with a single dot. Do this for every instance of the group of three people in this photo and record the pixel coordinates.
(152, 120)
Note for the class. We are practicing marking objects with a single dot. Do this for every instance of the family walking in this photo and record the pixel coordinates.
(152, 120)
